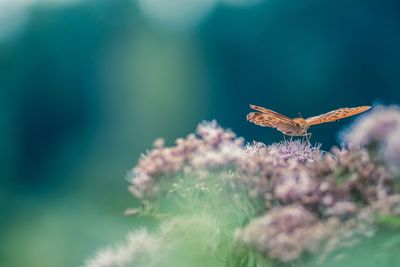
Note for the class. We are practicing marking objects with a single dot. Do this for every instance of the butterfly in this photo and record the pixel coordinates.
(298, 126)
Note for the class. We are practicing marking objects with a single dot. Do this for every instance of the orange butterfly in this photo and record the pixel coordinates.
(298, 126)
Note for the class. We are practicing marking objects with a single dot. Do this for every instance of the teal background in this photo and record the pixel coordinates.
(86, 86)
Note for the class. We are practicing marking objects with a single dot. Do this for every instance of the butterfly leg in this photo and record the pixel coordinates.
(308, 136)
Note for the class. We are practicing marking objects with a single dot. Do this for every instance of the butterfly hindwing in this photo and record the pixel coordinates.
(270, 120)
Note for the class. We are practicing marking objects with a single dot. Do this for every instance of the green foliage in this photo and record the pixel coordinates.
(203, 199)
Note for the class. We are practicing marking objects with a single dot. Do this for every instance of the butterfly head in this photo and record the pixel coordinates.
(300, 121)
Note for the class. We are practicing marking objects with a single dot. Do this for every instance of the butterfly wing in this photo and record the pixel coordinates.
(336, 115)
(270, 112)
(269, 118)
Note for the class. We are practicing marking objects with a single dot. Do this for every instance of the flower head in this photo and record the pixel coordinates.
(284, 233)
(212, 147)
(379, 130)
(374, 127)
(297, 150)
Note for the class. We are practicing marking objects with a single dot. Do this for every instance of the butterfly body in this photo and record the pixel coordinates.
(301, 126)
(298, 126)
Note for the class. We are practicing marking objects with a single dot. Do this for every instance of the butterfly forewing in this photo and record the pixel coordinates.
(336, 115)
(281, 123)
(271, 113)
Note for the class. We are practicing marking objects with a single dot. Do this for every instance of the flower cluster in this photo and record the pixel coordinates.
(379, 130)
(296, 199)
(212, 147)
(285, 233)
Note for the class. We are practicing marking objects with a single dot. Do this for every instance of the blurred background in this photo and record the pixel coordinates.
(86, 86)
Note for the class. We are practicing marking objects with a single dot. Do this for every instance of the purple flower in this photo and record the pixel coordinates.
(284, 233)
(212, 147)
(293, 186)
(391, 151)
(374, 127)
(379, 129)
(297, 150)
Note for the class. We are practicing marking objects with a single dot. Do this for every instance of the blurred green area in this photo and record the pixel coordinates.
(85, 86)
